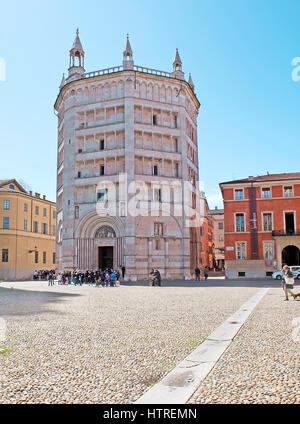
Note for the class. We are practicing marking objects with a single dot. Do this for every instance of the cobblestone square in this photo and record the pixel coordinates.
(72, 344)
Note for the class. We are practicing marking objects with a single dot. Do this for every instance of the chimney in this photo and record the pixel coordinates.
(44, 196)
(37, 195)
(30, 193)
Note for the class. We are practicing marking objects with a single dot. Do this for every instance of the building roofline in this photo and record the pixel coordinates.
(87, 78)
(7, 190)
(265, 178)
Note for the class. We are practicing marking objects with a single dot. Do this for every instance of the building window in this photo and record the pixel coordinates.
(6, 223)
(4, 255)
(44, 257)
(241, 252)
(154, 120)
(238, 194)
(44, 228)
(268, 250)
(240, 222)
(76, 212)
(288, 191)
(53, 230)
(201, 231)
(175, 121)
(36, 257)
(102, 195)
(11, 186)
(158, 229)
(267, 222)
(35, 226)
(220, 225)
(79, 174)
(221, 238)
(157, 244)
(25, 207)
(155, 172)
(36, 210)
(44, 212)
(101, 169)
(266, 193)
(25, 224)
(157, 195)
(6, 204)
(53, 257)
(101, 144)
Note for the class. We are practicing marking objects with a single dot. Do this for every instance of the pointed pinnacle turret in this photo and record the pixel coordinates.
(128, 56)
(191, 82)
(63, 81)
(177, 58)
(77, 43)
(76, 64)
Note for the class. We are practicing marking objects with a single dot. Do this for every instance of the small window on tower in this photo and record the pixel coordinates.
(101, 144)
(154, 119)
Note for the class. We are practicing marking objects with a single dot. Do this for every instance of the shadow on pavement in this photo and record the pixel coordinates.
(211, 283)
(27, 302)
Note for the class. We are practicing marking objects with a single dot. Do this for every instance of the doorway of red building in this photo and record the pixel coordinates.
(291, 255)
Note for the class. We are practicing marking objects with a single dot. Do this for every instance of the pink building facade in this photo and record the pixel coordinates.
(127, 159)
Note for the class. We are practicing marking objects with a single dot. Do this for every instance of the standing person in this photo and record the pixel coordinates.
(158, 277)
(287, 282)
(123, 271)
(205, 273)
(50, 279)
(197, 273)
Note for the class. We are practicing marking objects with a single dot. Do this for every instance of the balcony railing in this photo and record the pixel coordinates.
(286, 233)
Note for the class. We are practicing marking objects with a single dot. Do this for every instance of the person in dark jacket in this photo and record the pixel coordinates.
(205, 273)
(197, 273)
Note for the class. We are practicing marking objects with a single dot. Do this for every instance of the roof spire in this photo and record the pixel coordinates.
(177, 67)
(76, 65)
(63, 81)
(128, 55)
(191, 82)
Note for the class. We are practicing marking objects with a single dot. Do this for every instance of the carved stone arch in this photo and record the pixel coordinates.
(59, 232)
(169, 94)
(106, 231)
(113, 90)
(91, 222)
(150, 91)
(156, 92)
(106, 91)
(162, 93)
(121, 88)
(143, 90)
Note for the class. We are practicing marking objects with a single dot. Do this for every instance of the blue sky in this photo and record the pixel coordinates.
(238, 51)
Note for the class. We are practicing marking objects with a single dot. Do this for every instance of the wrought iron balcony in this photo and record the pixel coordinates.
(286, 233)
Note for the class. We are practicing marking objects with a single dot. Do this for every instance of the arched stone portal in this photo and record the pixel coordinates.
(291, 255)
(100, 242)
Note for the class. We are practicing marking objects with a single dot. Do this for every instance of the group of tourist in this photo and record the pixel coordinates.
(42, 274)
(101, 278)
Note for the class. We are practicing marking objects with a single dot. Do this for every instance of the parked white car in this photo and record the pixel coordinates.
(295, 269)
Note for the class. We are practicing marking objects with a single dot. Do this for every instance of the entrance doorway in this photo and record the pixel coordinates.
(105, 257)
(291, 255)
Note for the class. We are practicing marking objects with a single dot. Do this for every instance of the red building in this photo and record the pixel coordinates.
(261, 224)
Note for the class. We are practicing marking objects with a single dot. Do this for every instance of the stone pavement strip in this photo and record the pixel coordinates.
(262, 364)
(178, 386)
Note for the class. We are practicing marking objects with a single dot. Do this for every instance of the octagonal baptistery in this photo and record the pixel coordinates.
(118, 127)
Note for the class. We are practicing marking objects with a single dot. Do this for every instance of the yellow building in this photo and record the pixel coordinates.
(27, 232)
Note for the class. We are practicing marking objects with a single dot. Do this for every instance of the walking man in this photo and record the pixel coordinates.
(197, 273)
